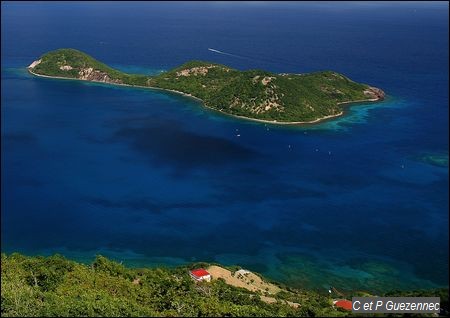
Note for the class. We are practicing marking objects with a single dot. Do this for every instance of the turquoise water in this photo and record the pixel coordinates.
(152, 178)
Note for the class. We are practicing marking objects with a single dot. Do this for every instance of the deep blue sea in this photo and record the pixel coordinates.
(151, 178)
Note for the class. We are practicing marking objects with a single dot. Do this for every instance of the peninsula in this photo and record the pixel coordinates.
(254, 94)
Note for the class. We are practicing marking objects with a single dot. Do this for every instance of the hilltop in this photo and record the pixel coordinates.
(55, 286)
(252, 94)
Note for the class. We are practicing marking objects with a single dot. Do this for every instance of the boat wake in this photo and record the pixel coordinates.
(254, 59)
(225, 53)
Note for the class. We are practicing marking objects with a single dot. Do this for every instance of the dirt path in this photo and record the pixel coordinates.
(271, 300)
(247, 280)
(250, 281)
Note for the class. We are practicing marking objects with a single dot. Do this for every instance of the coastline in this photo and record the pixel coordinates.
(113, 286)
(273, 122)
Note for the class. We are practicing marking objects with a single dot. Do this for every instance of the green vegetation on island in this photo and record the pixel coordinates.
(254, 94)
(69, 63)
(54, 286)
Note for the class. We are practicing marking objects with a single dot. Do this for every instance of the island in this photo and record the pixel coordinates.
(259, 95)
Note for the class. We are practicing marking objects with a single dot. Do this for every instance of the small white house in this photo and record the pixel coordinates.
(200, 274)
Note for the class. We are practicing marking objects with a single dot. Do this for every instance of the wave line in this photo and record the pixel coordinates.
(225, 53)
(256, 59)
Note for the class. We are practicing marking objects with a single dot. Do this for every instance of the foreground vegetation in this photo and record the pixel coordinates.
(254, 94)
(55, 286)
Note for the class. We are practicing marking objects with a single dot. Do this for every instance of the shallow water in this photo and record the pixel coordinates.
(153, 178)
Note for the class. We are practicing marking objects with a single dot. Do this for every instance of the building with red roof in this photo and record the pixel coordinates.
(200, 274)
(344, 304)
